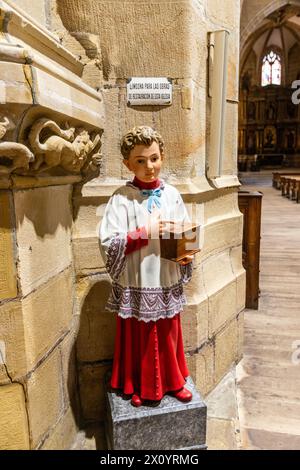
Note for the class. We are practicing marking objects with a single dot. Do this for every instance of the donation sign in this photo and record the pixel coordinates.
(149, 91)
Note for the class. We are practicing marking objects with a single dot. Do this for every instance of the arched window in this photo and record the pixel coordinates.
(271, 69)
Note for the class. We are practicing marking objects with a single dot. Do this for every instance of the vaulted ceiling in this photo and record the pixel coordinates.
(280, 29)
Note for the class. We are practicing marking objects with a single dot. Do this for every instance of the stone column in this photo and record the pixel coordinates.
(163, 39)
(50, 138)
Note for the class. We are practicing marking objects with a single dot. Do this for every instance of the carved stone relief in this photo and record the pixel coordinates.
(49, 146)
(41, 88)
(14, 157)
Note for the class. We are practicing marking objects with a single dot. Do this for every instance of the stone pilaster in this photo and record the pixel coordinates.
(165, 39)
(51, 125)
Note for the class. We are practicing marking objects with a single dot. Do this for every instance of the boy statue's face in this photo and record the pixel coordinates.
(145, 162)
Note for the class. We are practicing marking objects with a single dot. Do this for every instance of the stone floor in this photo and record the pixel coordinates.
(223, 427)
(91, 438)
(257, 404)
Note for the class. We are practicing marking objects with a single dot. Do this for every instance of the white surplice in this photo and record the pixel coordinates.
(145, 286)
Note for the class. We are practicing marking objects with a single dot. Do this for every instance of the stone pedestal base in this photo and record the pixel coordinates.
(167, 426)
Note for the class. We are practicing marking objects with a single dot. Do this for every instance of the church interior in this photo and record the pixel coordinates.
(269, 170)
(268, 111)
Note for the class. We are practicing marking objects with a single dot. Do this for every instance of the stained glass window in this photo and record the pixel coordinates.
(271, 69)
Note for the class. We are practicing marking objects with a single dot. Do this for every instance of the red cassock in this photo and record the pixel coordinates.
(149, 357)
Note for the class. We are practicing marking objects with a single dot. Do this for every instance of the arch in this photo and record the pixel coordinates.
(263, 33)
(293, 72)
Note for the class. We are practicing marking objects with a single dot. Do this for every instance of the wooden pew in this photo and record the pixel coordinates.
(295, 188)
(250, 205)
(275, 179)
(287, 183)
(284, 182)
(290, 186)
(278, 174)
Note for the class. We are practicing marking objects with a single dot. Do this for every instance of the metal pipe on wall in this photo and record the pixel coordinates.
(218, 51)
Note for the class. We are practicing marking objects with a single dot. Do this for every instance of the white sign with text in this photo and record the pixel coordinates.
(149, 91)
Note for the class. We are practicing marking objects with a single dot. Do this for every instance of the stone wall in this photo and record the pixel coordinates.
(36, 311)
(177, 50)
(37, 9)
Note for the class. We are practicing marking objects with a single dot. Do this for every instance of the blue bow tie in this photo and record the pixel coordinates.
(154, 195)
